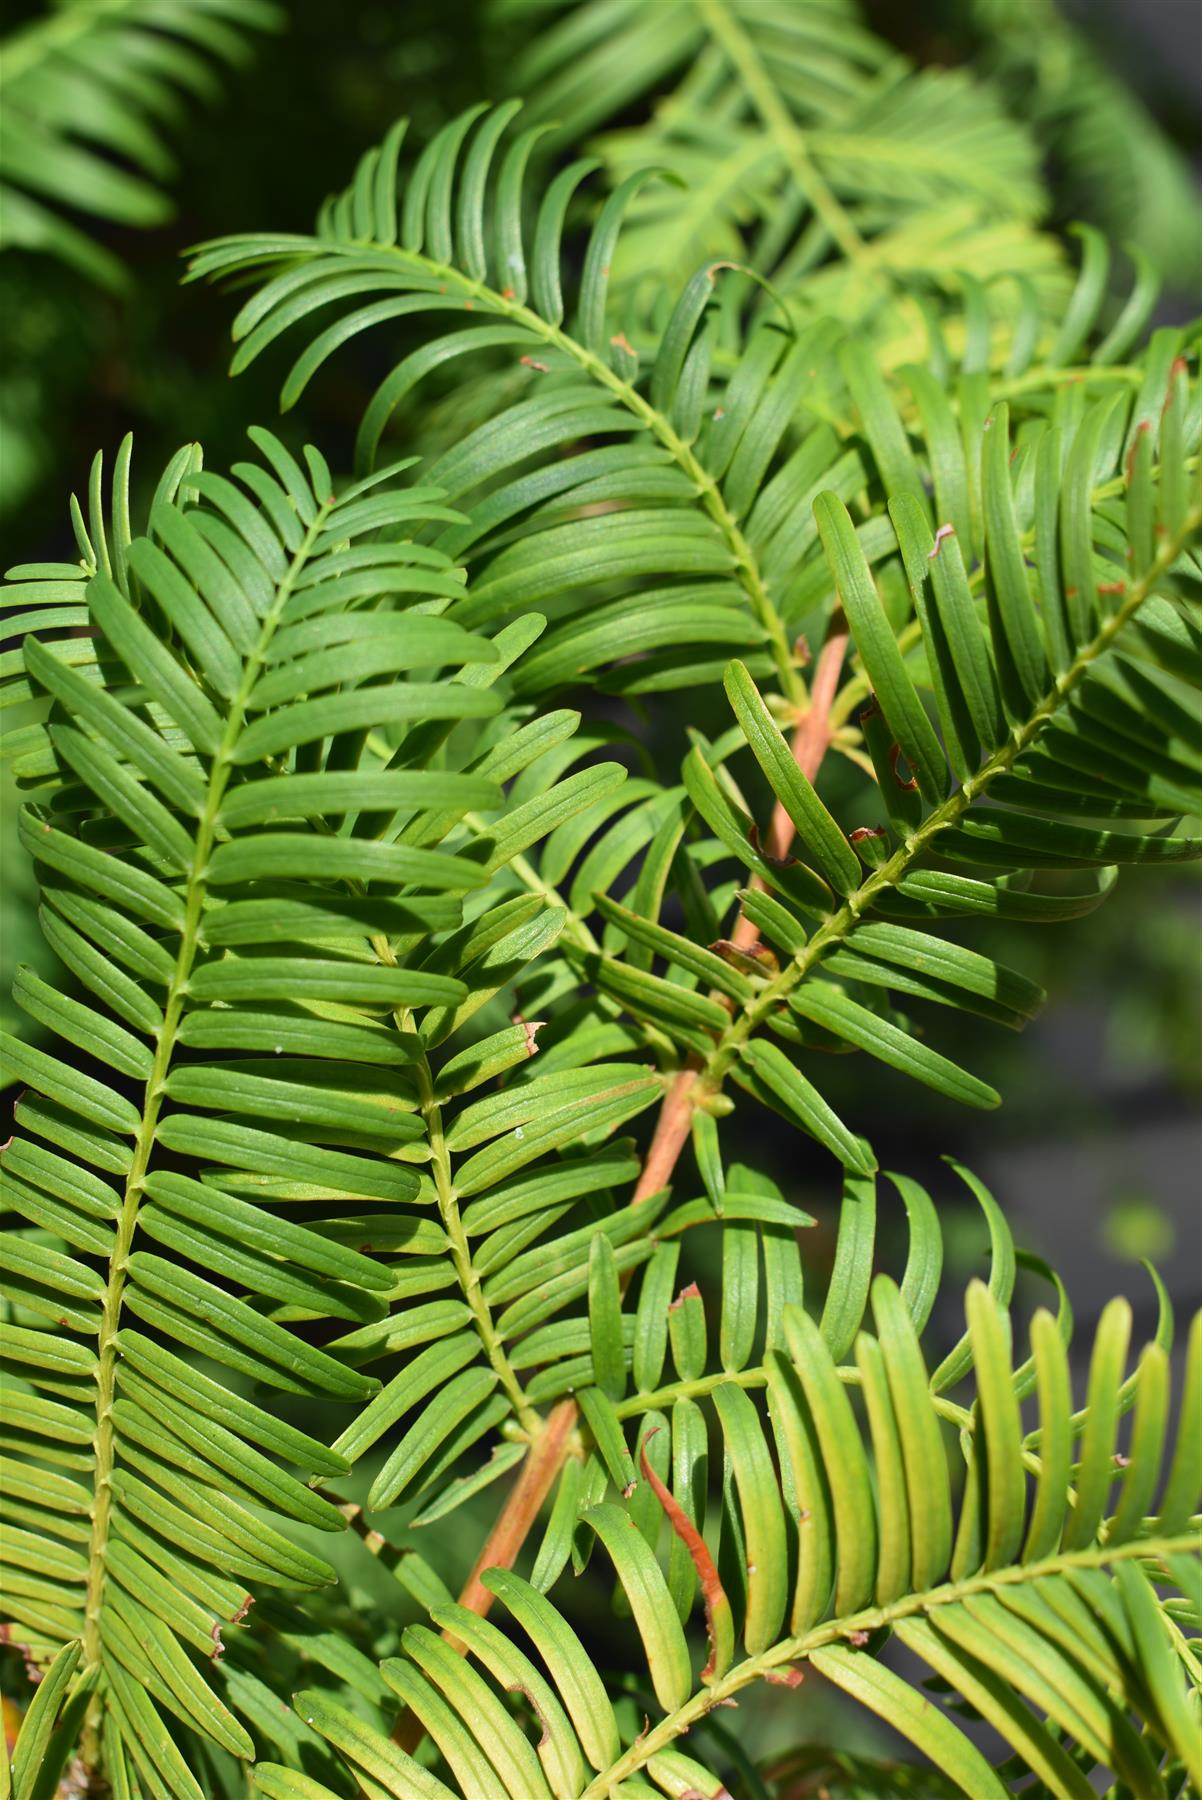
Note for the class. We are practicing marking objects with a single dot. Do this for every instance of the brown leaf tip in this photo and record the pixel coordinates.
(894, 756)
(691, 1292)
(1140, 430)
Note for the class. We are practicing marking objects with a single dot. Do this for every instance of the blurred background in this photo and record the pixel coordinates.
(1096, 1155)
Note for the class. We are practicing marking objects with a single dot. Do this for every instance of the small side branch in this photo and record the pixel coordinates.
(810, 743)
(552, 1445)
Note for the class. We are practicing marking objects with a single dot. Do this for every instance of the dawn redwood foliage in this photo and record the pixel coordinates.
(376, 1155)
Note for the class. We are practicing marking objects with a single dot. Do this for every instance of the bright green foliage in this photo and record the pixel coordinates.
(815, 1568)
(330, 859)
(89, 92)
(804, 143)
(715, 453)
(1032, 707)
(197, 929)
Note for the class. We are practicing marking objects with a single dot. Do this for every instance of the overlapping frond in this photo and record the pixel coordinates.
(248, 1086)
(451, 239)
(838, 944)
(969, 1514)
(375, 949)
(841, 935)
(654, 497)
(91, 94)
(1063, 678)
(805, 145)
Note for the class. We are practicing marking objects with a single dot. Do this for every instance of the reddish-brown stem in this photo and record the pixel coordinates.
(501, 1547)
(810, 742)
(671, 1135)
(503, 1543)
(550, 1452)
(814, 732)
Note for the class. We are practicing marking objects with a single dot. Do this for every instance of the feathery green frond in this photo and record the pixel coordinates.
(334, 1198)
(654, 497)
(1065, 705)
(253, 1053)
(838, 1527)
